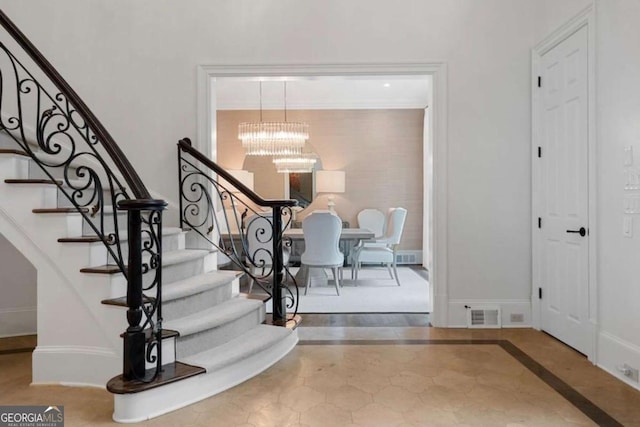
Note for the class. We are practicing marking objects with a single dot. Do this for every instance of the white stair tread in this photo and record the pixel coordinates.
(213, 317)
(196, 284)
(182, 255)
(251, 342)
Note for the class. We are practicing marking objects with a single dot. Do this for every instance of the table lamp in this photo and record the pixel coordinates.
(331, 182)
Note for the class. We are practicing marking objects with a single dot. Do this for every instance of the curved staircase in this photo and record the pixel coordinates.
(118, 292)
(216, 334)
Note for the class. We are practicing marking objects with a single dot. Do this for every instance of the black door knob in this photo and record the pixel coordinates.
(582, 231)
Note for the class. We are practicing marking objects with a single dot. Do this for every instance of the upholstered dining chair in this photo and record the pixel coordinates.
(373, 220)
(321, 237)
(259, 235)
(384, 250)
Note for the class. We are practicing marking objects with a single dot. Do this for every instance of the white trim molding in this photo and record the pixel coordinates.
(206, 139)
(75, 365)
(586, 18)
(614, 352)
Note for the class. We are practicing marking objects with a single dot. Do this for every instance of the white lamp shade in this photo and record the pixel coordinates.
(243, 176)
(330, 181)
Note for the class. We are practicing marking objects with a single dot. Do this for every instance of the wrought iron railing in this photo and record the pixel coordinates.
(51, 124)
(229, 217)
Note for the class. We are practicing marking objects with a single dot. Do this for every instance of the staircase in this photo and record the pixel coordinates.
(113, 271)
(217, 334)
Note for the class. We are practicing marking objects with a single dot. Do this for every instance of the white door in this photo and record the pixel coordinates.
(564, 257)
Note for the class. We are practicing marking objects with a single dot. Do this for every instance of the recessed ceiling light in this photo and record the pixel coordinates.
(387, 85)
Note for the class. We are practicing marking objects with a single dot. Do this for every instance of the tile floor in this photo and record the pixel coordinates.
(415, 379)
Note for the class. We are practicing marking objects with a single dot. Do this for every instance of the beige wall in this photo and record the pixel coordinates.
(379, 150)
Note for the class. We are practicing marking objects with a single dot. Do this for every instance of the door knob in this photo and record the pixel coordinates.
(582, 231)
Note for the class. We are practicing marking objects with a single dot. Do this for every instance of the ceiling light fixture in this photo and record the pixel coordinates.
(273, 138)
(300, 163)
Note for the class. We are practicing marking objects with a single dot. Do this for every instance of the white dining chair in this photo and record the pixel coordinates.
(373, 220)
(321, 238)
(384, 251)
(259, 237)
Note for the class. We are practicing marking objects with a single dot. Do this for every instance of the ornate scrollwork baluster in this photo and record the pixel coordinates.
(227, 217)
(49, 121)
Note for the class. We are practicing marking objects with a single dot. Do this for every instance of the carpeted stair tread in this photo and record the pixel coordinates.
(213, 317)
(168, 258)
(196, 284)
(182, 255)
(251, 342)
(166, 231)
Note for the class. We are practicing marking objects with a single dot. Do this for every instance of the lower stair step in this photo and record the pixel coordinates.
(251, 342)
(226, 365)
(216, 325)
(170, 373)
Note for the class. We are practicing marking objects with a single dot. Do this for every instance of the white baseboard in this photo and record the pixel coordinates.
(75, 365)
(613, 352)
(18, 321)
(457, 312)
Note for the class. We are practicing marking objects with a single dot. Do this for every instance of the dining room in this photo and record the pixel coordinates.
(366, 137)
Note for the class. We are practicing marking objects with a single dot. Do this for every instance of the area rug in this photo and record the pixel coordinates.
(374, 292)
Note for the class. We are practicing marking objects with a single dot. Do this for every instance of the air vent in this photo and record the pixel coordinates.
(407, 258)
(483, 317)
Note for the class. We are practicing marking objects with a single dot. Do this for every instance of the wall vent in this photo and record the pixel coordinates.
(409, 257)
(484, 317)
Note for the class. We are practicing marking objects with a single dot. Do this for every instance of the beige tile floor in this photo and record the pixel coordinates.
(375, 385)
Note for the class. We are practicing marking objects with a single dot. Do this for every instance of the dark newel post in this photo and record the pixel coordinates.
(159, 283)
(279, 304)
(180, 185)
(134, 339)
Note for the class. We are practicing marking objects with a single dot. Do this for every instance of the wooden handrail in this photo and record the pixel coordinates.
(121, 162)
(185, 145)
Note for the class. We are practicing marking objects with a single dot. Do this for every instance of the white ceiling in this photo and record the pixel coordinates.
(379, 92)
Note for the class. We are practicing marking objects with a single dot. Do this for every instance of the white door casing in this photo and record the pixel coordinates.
(437, 149)
(563, 190)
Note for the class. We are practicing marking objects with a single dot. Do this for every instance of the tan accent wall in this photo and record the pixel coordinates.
(379, 150)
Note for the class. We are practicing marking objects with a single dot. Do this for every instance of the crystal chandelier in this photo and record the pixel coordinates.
(273, 138)
(300, 163)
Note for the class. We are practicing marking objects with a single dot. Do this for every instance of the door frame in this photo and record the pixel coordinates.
(584, 18)
(435, 148)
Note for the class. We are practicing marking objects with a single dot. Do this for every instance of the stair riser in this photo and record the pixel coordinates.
(13, 166)
(185, 306)
(201, 341)
(117, 284)
(98, 254)
(180, 271)
(168, 352)
(107, 222)
(85, 198)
